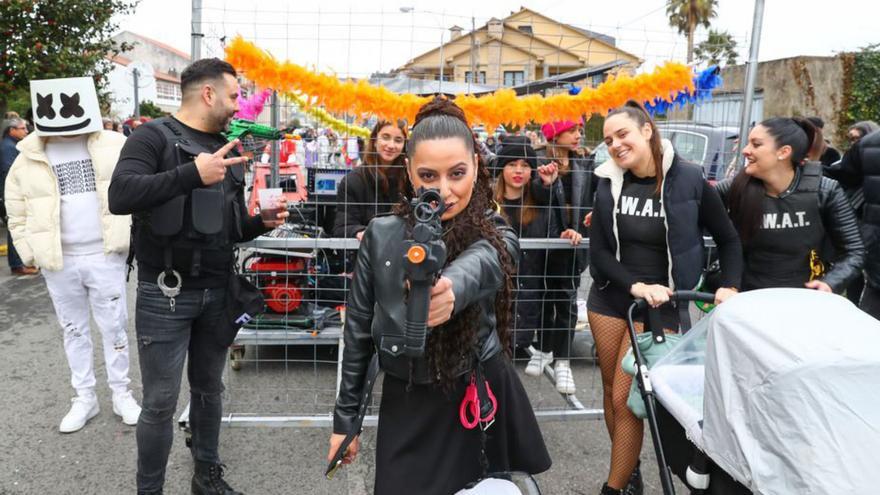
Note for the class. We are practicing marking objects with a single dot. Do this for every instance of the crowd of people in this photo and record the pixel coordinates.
(798, 214)
(778, 222)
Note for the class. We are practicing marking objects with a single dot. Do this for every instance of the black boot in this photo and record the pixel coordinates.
(208, 480)
(607, 490)
(635, 486)
(149, 493)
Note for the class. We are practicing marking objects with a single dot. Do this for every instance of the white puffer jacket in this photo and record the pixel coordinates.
(33, 201)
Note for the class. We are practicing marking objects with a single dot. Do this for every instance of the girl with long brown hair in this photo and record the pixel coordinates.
(564, 186)
(373, 188)
(423, 444)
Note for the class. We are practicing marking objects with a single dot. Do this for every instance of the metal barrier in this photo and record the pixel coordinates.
(286, 375)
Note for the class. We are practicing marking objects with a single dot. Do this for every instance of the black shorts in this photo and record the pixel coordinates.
(614, 302)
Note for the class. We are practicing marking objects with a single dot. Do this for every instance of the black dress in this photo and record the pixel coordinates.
(422, 446)
(426, 419)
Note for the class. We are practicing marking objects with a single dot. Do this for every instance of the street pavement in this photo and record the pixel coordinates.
(100, 459)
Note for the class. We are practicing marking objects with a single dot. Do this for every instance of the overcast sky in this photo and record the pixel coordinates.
(358, 38)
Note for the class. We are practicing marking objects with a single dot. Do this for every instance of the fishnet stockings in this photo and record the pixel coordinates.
(625, 430)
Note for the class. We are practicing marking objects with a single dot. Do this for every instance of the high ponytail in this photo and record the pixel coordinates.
(440, 118)
(745, 200)
(796, 132)
(443, 119)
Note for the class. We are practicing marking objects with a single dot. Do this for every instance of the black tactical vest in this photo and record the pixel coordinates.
(209, 218)
(791, 229)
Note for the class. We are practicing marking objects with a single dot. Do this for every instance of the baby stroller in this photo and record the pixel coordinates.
(773, 393)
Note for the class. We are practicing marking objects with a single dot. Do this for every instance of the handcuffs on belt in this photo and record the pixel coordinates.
(472, 411)
(170, 292)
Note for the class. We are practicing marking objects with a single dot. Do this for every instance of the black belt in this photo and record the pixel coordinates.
(356, 426)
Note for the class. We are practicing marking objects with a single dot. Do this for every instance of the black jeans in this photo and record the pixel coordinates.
(870, 302)
(559, 316)
(164, 339)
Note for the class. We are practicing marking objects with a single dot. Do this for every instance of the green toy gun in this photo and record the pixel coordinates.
(240, 128)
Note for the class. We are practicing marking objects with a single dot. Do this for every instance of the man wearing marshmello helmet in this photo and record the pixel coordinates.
(56, 197)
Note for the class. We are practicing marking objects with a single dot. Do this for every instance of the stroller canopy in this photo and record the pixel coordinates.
(792, 392)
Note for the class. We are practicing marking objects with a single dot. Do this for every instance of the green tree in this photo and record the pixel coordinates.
(45, 39)
(718, 48)
(150, 109)
(864, 86)
(686, 15)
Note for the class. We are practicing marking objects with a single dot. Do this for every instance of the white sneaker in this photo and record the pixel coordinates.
(125, 406)
(82, 410)
(538, 361)
(582, 311)
(564, 378)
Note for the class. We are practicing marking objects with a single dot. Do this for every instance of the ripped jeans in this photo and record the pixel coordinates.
(164, 339)
(95, 281)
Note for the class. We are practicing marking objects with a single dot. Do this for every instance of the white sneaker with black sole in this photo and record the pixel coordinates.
(538, 361)
(82, 410)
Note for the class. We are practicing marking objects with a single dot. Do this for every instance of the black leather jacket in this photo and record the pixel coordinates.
(840, 223)
(376, 311)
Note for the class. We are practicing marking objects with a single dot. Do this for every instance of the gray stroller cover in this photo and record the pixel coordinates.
(781, 389)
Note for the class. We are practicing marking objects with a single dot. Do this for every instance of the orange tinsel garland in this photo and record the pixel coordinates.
(502, 106)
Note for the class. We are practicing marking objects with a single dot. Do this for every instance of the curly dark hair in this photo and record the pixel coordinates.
(454, 341)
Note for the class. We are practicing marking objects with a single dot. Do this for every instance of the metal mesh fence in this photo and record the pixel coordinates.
(284, 365)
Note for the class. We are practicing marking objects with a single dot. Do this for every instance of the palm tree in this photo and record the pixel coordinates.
(719, 47)
(686, 15)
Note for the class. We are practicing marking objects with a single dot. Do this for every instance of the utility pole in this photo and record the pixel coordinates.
(473, 53)
(441, 62)
(137, 105)
(196, 31)
(751, 76)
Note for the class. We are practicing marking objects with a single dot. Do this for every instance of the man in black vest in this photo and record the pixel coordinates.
(860, 169)
(184, 185)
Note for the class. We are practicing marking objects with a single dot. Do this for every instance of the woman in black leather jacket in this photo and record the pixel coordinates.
(786, 213)
(422, 443)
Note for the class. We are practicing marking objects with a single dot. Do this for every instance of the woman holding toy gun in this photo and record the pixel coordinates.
(447, 416)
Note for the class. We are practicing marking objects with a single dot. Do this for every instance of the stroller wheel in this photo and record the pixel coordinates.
(697, 480)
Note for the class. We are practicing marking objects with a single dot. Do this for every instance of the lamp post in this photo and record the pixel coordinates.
(751, 75)
(412, 10)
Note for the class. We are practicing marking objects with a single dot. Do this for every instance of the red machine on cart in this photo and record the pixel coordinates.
(283, 280)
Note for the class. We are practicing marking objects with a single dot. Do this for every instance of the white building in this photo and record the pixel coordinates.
(163, 88)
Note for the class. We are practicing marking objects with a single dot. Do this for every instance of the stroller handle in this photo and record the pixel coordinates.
(680, 295)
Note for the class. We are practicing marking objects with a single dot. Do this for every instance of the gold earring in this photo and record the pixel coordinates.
(779, 158)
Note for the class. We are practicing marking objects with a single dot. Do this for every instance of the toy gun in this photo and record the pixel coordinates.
(424, 256)
(240, 128)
